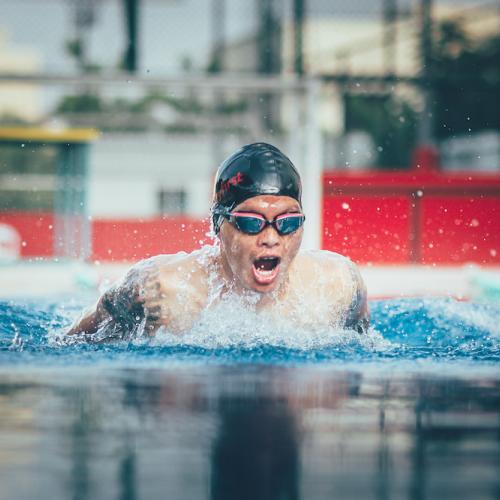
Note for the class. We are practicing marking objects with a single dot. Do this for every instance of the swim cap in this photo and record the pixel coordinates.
(254, 170)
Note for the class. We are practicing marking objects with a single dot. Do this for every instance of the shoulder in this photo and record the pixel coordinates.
(330, 265)
(161, 269)
(340, 280)
(150, 290)
(329, 272)
(182, 270)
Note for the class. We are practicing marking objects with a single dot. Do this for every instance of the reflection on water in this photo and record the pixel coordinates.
(245, 433)
(255, 451)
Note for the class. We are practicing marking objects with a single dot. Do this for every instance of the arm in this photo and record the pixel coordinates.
(131, 307)
(358, 314)
(90, 321)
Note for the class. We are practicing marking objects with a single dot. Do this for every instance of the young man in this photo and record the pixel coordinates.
(257, 217)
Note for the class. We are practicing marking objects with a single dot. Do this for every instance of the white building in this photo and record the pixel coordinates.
(19, 100)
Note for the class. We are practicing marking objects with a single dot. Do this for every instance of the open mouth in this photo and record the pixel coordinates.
(266, 269)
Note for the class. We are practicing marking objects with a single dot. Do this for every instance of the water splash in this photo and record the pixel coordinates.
(413, 331)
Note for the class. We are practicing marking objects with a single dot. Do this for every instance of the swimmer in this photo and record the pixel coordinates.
(258, 221)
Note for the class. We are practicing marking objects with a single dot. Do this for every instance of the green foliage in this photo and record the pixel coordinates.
(138, 114)
(465, 82)
(391, 122)
(75, 48)
(27, 201)
(82, 103)
(231, 107)
(12, 120)
(181, 129)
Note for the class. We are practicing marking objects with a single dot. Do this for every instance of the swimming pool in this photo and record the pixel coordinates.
(412, 411)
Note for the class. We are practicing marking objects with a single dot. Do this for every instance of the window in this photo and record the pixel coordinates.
(172, 201)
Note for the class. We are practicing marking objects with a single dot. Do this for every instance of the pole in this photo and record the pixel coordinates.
(298, 30)
(306, 151)
(425, 135)
(389, 37)
(132, 23)
(218, 35)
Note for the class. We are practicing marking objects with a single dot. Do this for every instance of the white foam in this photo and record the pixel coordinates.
(234, 321)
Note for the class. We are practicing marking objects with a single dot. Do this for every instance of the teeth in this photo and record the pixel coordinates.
(262, 271)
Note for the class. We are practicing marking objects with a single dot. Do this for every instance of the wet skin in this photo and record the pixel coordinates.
(239, 251)
(172, 291)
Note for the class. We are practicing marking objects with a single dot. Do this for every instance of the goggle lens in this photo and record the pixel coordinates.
(289, 223)
(248, 224)
(251, 224)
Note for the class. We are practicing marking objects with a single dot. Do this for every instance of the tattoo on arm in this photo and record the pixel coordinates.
(137, 299)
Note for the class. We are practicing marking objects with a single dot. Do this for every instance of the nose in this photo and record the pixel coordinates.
(269, 237)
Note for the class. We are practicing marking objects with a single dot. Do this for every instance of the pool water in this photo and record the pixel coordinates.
(410, 411)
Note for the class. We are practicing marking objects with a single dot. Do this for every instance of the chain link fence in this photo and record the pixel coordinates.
(394, 73)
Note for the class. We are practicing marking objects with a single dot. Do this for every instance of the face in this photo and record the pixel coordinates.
(260, 262)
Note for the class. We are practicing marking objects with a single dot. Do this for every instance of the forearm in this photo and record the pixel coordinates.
(129, 305)
(89, 322)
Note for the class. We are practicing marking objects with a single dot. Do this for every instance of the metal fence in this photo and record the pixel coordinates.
(384, 65)
(339, 85)
(393, 73)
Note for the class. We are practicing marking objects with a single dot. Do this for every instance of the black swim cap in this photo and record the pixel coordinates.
(255, 169)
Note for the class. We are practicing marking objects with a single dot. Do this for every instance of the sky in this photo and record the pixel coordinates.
(171, 29)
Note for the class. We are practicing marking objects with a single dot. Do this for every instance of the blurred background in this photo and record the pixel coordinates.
(114, 115)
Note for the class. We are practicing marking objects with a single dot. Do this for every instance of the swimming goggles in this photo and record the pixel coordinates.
(255, 223)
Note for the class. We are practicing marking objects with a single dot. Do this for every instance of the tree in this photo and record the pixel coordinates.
(465, 82)
(391, 122)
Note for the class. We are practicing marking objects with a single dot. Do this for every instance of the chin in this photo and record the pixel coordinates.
(264, 287)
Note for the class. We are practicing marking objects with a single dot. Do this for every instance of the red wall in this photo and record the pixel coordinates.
(368, 228)
(134, 239)
(113, 239)
(460, 229)
(402, 217)
(422, 217)
(36, 231)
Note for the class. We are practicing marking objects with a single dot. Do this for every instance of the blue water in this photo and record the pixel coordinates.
(411, 410)
(410, 330)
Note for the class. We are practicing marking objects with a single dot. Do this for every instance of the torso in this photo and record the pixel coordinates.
(320, 289)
